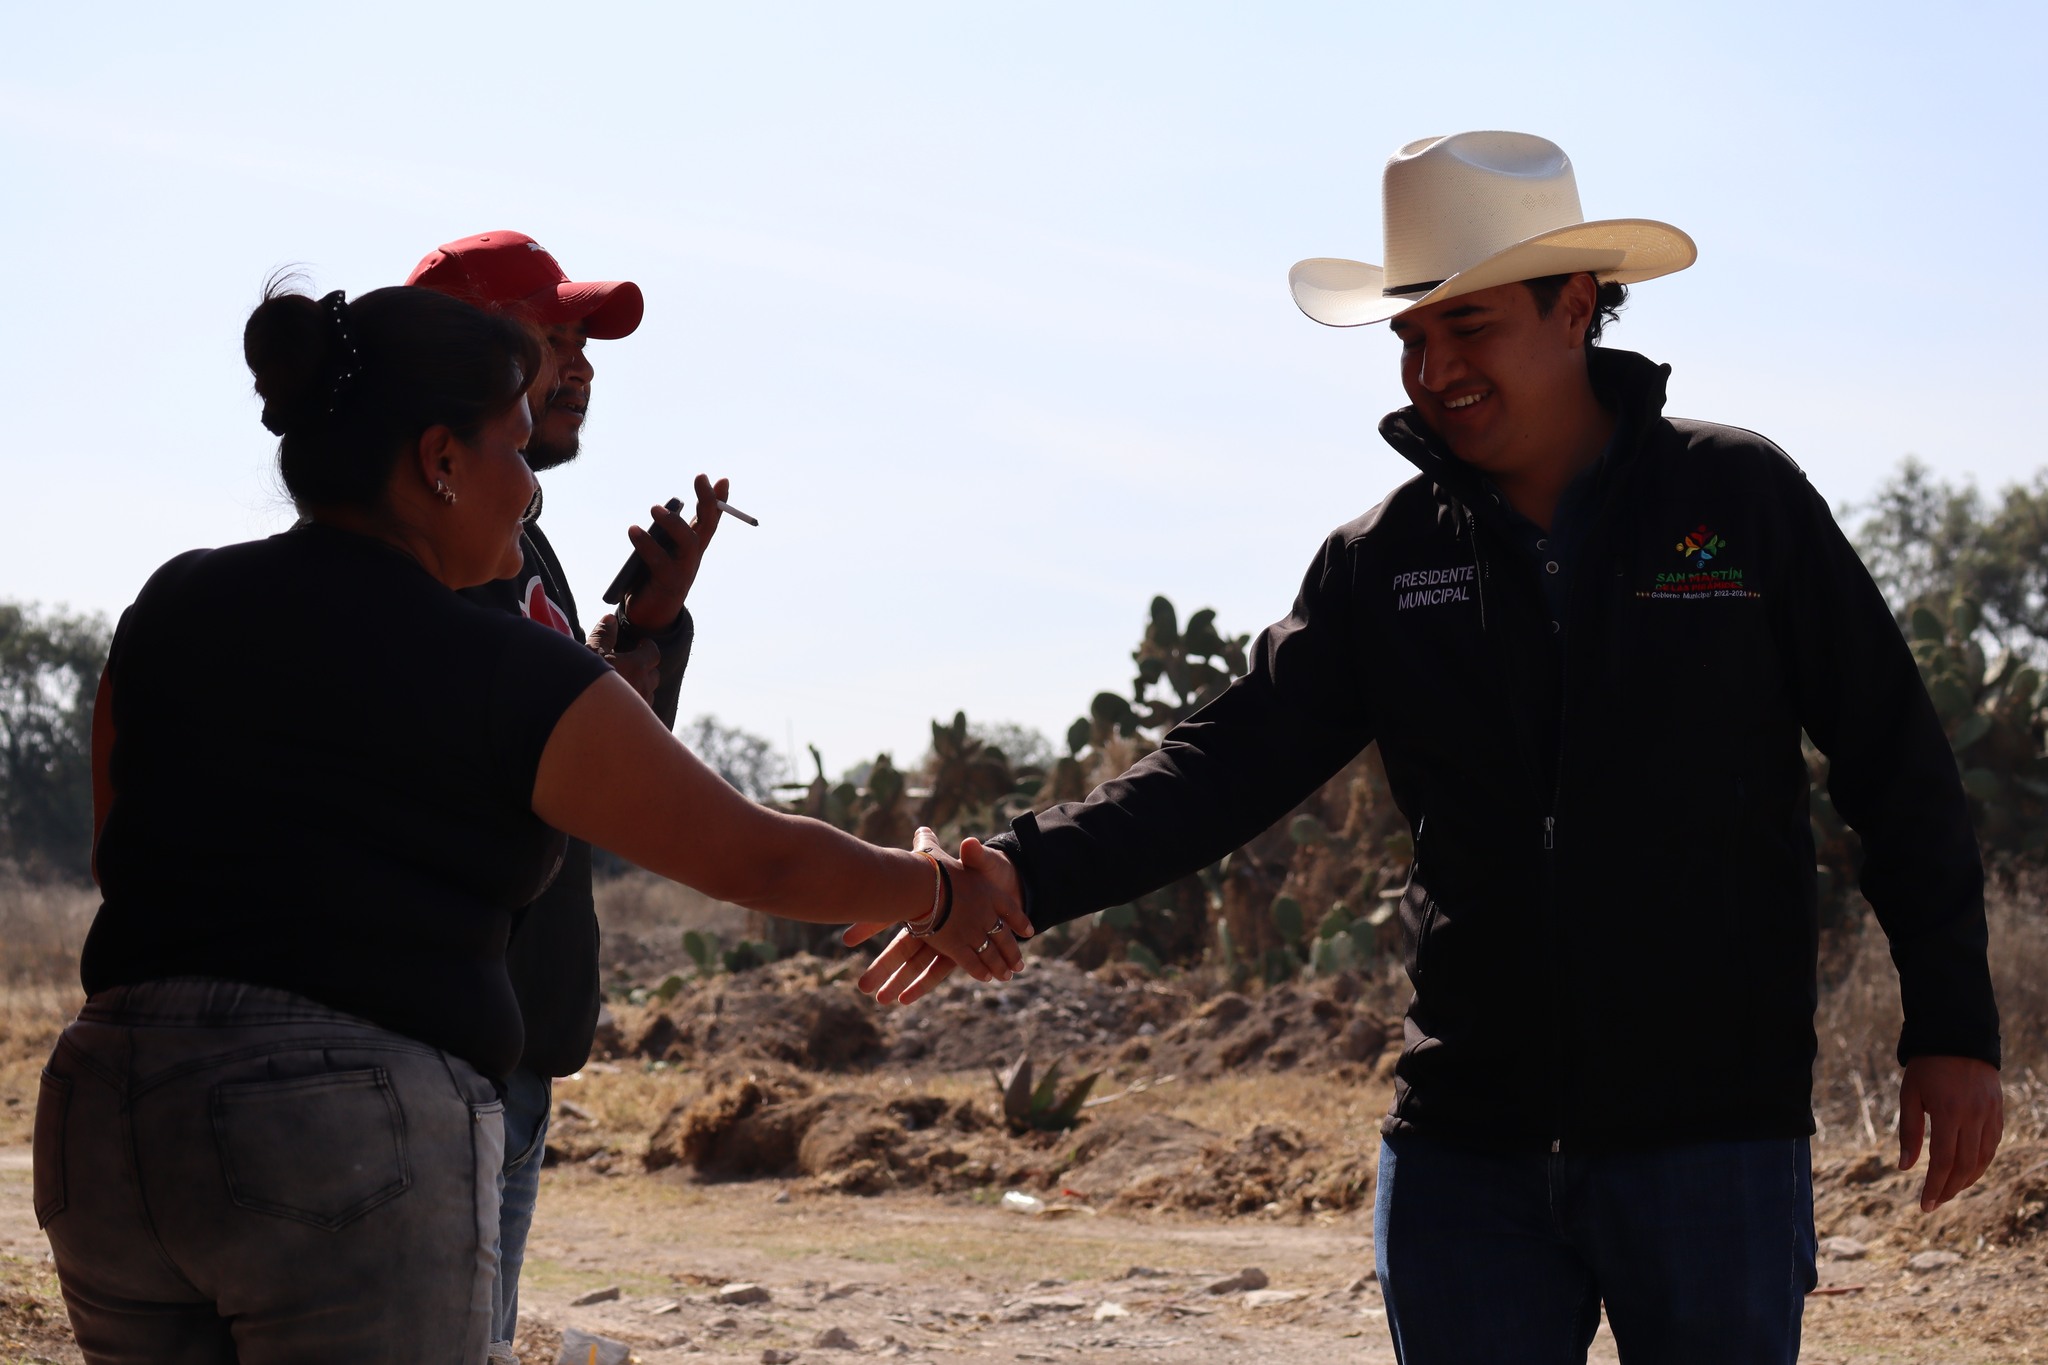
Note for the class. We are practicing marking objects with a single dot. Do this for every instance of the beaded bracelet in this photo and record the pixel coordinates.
(942, 900)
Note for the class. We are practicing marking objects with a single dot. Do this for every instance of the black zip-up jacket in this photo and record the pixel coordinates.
(552, 956)
(1611, 923)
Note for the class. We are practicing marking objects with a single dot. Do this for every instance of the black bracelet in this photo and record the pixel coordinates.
(946, 899)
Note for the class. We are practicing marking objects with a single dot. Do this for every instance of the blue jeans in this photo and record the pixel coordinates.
(1702, 1254)
(528, 1098)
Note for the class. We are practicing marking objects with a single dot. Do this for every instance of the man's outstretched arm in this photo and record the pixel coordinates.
(1218, 779)
(1893, 777)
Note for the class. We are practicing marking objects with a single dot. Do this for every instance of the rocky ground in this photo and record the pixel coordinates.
(765, 1167)
(672, 1269)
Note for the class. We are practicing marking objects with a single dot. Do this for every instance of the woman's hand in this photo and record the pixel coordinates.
(981, 936)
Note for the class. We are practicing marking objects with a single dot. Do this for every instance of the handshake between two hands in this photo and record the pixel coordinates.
(982, 935)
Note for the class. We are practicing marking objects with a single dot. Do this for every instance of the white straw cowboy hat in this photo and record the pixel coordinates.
(1475, 210)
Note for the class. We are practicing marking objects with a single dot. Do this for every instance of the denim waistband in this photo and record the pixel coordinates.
(197, 1001)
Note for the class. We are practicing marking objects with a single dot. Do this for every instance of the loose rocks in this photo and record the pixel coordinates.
(1843, 1249)
(1024, 1310)
(1251, 1277)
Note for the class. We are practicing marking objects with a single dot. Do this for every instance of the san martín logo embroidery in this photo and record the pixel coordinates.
(1705, 573)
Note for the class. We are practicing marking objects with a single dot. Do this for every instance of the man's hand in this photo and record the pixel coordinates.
(1962, 1099)
(640, 665)
(985, 892)
(671, 572)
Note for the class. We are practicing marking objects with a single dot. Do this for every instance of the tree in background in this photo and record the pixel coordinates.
(1968, 579)
(1930, 544)
(1024, 745)
(747, 761)
(50, 666)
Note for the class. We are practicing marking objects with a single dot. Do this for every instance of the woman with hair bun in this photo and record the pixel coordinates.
(325, 785)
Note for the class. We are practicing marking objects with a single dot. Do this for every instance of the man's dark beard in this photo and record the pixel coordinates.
(544, 453)
(541, 455)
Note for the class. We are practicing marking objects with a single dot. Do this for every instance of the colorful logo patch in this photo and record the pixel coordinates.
(1706, 575)
(1701, 548)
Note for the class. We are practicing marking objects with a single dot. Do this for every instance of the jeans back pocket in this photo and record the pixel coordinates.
(53, 1112)
(322, 1149)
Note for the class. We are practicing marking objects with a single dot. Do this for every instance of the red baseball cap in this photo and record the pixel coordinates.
(510, 270)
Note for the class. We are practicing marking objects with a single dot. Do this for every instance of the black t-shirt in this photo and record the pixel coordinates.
(323, 771)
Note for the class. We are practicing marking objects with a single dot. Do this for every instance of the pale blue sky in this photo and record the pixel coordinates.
(982, 308)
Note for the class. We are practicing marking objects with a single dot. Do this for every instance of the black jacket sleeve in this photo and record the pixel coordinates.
(1894, 779)
(1220, 777)
(674, 644)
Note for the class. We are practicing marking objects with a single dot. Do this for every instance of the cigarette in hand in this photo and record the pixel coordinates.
(732, 511)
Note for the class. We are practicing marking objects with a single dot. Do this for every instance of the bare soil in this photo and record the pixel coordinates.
(775, 1128)
(953, 1279)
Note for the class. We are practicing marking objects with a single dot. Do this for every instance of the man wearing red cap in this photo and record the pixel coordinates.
(552, 957)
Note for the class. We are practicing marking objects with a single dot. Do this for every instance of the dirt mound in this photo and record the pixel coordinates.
(1287, 1027)
(737, 1123)
(1866, 1197)
(1117, 1017)
(1156, 1162)
(1119, 1152)
(1051, 1009)
(806, 1013)
(802, 1012)
(777, 1124)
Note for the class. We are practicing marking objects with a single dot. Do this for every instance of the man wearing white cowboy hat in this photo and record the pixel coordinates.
(1587, 638)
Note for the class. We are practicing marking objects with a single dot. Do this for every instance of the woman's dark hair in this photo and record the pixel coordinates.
(347, 387)
(1607, 304)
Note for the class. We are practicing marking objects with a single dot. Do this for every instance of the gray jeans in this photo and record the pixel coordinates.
(234, 1175)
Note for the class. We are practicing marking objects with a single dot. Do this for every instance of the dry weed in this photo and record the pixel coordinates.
(644, 917)
(42, 928)
(31, 1017)
(1856, 1077)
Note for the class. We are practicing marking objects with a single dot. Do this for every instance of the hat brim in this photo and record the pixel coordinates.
(1340, 293)
(608, 309)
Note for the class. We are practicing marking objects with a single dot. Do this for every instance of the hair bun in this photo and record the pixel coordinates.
(348, 386)
(286, 345)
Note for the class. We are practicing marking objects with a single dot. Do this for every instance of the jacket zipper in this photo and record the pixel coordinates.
(1557, 1012)
(1550, 877)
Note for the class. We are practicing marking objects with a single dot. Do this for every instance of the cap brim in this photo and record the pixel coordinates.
(1339, 293)
(608, 309)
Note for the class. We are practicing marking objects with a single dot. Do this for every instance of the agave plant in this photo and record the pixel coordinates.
(1041, 1107)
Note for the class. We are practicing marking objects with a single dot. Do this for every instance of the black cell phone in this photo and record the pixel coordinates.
(633, 576)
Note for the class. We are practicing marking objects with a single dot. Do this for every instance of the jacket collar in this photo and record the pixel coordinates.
(1630, 384)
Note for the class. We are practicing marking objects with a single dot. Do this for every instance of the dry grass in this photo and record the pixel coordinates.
(641, 903)
(1856, 1077)
(644, 918)
(42, 928)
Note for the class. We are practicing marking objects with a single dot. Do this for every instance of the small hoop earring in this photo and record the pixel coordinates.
(444, 492)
